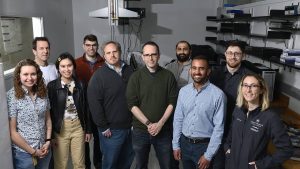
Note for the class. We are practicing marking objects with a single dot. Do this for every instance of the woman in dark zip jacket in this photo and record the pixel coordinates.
(70, 120)
(253, 126)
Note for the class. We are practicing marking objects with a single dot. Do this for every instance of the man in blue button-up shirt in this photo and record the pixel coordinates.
(199, 118)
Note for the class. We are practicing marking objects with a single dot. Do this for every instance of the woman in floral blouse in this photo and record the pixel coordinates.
(29, 117)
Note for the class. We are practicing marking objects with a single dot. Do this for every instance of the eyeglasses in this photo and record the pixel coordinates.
(235, 54)
(252, 86)
(91, 45)
(153, 55)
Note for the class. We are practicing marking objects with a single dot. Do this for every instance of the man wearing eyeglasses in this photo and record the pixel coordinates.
(151, 97)
(228, 78)
(86, 65)
(90, 61)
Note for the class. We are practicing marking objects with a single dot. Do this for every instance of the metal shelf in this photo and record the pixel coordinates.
(241, 18)
(285, 29)
(277, 61)
(275, 33)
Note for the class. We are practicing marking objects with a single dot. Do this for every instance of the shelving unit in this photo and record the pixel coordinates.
(247, 17)
(240, 22)
(287, 29)
(213, 29)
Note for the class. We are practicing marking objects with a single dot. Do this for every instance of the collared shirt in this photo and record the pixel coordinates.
(119, 71)
(85, 69)
(229, 83)
(200, 114)
(181, 72)
(30, 115)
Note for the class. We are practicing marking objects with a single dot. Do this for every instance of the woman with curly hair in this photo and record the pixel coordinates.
(29, 117)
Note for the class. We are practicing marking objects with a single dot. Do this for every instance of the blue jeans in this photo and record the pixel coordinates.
(142, 142)
(191, 153)
(23, 160)
(117, 150)
(97, 154)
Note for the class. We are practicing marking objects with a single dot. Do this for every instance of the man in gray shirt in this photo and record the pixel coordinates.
(180, 67)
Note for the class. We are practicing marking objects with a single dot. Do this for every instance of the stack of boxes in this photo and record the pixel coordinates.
(295, 140)
(291, 56)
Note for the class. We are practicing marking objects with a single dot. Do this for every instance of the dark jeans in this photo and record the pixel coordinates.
(191, 153)
(142, 142)
(174, 163)
(97, 154)
(117, 149)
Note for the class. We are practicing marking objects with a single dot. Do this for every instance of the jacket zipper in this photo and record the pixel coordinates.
(241, 145)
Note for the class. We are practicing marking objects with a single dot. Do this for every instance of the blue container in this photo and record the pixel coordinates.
(234, 11)
(290, 60)
(229, 5)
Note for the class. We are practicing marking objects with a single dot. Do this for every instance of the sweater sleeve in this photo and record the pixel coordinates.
(173, 91)
(95, 100)
(281, 141)
(132, 91)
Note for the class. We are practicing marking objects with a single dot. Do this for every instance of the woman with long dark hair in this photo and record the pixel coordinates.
(70, 118)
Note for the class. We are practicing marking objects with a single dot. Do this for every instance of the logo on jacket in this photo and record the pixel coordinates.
(256, 125)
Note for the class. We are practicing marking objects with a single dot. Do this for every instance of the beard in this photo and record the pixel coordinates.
(199, 80)
(234, 64)
(182, 57)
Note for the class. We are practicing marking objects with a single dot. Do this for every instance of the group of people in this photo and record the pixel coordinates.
(206, 118)
(48, 113)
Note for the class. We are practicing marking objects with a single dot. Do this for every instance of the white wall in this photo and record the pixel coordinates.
(166, 22)
(5, 150)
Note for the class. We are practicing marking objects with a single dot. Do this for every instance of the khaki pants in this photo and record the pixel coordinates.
(69, 140)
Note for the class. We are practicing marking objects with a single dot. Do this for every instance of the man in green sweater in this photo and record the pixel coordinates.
(151, 97)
